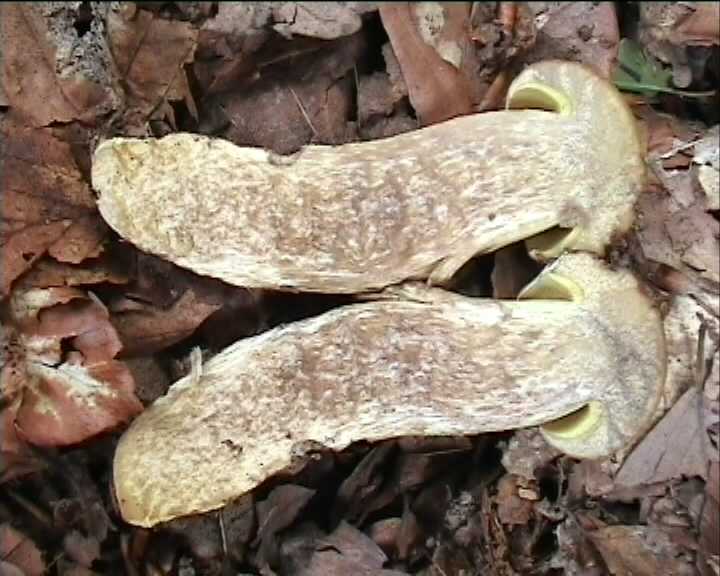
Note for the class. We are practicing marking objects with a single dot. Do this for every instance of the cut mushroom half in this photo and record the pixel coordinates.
(362, 216)
(413, 361)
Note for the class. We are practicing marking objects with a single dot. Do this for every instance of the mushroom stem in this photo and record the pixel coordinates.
(416, 361)
(362, 216)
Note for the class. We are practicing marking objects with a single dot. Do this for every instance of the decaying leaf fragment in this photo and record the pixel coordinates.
(53, 397)
(50, 72)
(326, 20)
(46, 206)
(149, 55)
(416, 361)
(362, 216)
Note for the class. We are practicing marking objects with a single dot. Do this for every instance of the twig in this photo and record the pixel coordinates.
(223, 537)
(303, 112)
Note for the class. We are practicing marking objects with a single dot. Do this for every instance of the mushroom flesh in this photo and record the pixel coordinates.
(362, 216)
(583, 356)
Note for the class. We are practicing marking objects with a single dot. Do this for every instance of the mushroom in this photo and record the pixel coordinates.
(584, 357)
(362, 216)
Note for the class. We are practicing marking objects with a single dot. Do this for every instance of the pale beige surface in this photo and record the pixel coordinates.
(418, 361)
(362, 216)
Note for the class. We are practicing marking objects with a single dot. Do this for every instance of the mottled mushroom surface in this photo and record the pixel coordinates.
(365, 215)
(426, 362)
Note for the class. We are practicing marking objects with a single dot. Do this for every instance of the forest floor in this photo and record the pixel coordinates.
(280, 76)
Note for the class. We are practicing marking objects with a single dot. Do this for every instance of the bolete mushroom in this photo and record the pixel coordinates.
(362, 216)
(585, 359)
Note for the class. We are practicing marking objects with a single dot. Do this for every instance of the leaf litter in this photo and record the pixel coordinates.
(93, 329)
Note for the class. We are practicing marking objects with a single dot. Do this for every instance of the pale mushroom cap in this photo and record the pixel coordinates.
(625, 410)
(617, 175)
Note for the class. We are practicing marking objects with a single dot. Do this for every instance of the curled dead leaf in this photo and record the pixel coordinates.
(438, 89)
(47, 273)
(53, 397)
(146, 329)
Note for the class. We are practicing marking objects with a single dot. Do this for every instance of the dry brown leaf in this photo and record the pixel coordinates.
(640, 551)
(157, 281)
(82, 239)
(331, 563)
(325, 20)
(526, 452)
(695, 236)
(437, 89)
(150, 54)
(238, 518)
(300, 99)
(376, 97)
(383, 108)
(412, 470)
(347, 551)
(707, 157)
(82, 549)
(454, 56)
(21, 552)
(46, 203)
(226, 45)
(146, 329)
(164, 304)
(674, 225)
(385, 534)
(701, 28)
(584, 32)
(500, 32)
(358, 491)
(37, 84)
(667, 29)
(591, 478)
(278, 511)
(151, 378)
(59, 398)
(683, 319)
(419, 461)
(354, 545)
(410, 535)
(676, 447)
(709, 542)
(667, 136)
(512, 270)
(47, 273)
(15, 458)
(511, 508)
(201, 533)
(575, 554)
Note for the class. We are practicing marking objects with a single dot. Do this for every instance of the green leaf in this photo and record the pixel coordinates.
(638, 72)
